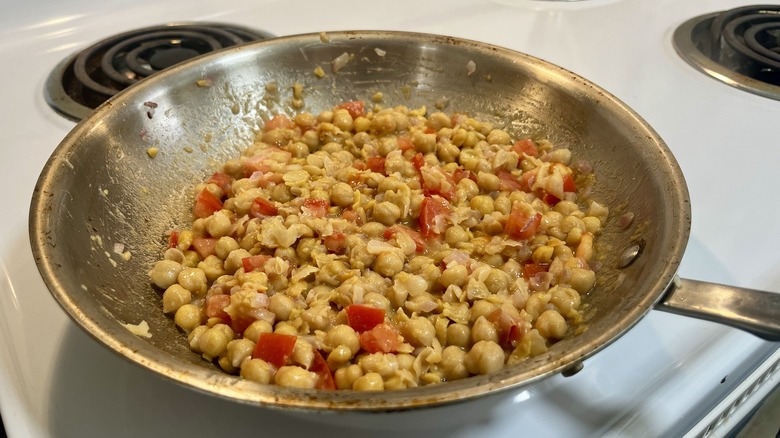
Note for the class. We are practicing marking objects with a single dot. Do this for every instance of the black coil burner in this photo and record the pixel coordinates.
(740, 47)
(85, 80)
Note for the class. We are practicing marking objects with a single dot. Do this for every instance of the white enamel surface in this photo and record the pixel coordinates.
(659, 379)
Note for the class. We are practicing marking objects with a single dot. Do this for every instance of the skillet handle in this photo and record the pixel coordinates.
(754, 311)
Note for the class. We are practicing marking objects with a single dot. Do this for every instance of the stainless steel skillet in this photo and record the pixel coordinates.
(101, 195)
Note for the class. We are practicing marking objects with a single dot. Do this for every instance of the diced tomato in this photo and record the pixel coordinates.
(356, 108)
(206, 204)
(204, 246)
(531, 269)
(215, 307)
(320, 368)
(363, 318)
(279, 121)
(223, 181)
(418, 160)
(527, 147)
(510, 329)
(263, 207)
(335, 243)
(520, 226)
(434, 212)
(382, 337)
(527, 180)
(429, 130)
(376, 164)
(404, 144)
(274, 348)
(550, 199)
(461, 174)
(315, 207)
(568, 183)
(255, 262)
(508, 182)
(173, 239)
(418, 240)
(240, 324)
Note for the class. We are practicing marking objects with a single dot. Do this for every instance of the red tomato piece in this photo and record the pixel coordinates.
(173, 239)
(255, 262)
(550, 199)
(355, 108)
(376, 164)
(315, 207)
(526, 146)
(320, 368)
(274, 348)
(418, 240)
(363, 318)
(240, 324)
(279, 121)
(461, 174)
(520, 226)
(568, 184)
(434, 213)
(527, 180)
(508, 182)
(204, 246)
(404, 144)
(263, 207)
(531, 269)
(335, 243)
(215, 307)
(223, 181)
(510, 329)
(383, 337)
(418, 160)
(206, 204)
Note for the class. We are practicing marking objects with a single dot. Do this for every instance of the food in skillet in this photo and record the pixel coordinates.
(385, 249)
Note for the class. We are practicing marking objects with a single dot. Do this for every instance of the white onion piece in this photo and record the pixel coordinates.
(340, 61)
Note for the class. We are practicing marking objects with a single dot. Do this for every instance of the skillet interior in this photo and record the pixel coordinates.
(100, 188)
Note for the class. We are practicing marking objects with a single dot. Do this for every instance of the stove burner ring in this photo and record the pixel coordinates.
(740, 47)
(90, 77)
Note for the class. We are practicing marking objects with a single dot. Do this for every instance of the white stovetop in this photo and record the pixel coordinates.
(659, 379)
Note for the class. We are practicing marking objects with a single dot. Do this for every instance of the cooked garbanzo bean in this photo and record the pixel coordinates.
(395, 248)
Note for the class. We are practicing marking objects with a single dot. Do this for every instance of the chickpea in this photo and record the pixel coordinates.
(485, 357)
(551, 324)
(164, 273)
(454, 275)
(213, 342)
(224, 245)
(488, 181)
(187, 317)
(419, 331)
(497, 281)
(388, 264)
(218, 224)
(459, 335)
(483, 330)
(383, 364)
(194, 280)
(257, 370)
(453, 363)
(343, 334)
(369, 382)
(295, 377)
(456, 234)
(255, 329)
(483, 204)
(387, 213)
(239, 350)
(175, 297)
(341, 194)
(345, 377)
